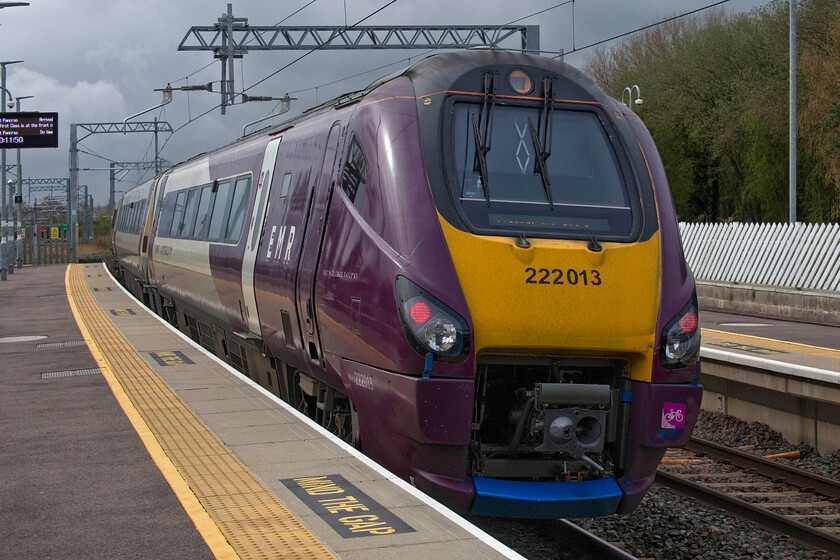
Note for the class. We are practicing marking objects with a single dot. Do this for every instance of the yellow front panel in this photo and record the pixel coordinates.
(559, 298)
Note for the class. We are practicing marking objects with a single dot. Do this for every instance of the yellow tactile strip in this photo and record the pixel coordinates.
(251, 519)
(793, 347)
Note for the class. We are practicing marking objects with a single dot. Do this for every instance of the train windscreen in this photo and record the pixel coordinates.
(517, 172)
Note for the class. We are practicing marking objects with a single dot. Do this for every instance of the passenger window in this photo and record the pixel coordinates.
(355, 174)
(166, 215)
(189, 214)
(237, 208)
(203, 214)
(141, 213)
(178, 218)
(218, 215)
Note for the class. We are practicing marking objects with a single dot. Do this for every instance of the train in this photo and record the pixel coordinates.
(470, 270)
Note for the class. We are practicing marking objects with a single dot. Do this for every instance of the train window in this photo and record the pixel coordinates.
(167, 208)
(218, 213)
(135, 215)
(580, 193)
(178, 216)
(355, 174)
(189, 214)
(133, 225)
(141, 213)
(203, 213)
(237, 208)
(287, 181)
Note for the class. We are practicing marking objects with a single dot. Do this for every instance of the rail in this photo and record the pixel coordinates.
(766, 501)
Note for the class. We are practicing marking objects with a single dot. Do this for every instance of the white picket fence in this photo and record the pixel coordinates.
(803, 256)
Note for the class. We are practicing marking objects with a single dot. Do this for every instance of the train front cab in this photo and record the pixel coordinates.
(558, 219)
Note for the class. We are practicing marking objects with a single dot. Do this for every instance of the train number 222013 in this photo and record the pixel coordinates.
(558, 276)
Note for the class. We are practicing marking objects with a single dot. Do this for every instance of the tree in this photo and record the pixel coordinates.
(716, 105)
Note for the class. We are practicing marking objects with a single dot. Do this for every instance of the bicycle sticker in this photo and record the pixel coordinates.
(673, 415)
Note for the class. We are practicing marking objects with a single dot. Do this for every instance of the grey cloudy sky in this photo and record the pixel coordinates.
(99, 61)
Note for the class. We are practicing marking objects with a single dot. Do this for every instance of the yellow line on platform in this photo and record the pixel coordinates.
(236, 514)
(794, 347)
(206, 527)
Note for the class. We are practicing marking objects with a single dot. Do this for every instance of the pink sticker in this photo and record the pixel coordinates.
(673, 415)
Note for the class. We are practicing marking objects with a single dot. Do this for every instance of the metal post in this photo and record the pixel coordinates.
(792, 125)
(157, 155)
(231, 88)
(73, 194)
(36, 235)
(6, 247)
(3, 214)
(19, 243)
(2, 151)
(85, 210)
(112, 179)
(13, 237)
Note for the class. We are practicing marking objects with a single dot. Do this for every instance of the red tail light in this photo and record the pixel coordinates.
(420, 312)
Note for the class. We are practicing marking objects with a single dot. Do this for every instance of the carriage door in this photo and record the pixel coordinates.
(311, 247)
(252, 242)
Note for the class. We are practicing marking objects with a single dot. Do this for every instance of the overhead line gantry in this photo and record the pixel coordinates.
(231, 37)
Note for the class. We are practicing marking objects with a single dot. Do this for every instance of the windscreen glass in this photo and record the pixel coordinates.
(557, 179)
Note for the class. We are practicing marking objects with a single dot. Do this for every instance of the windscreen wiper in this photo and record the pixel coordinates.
(548, 110)
(483, 132)
(543, 154)
(541, 157)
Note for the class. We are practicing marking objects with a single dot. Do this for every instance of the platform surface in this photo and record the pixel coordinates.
(794, 348)
(120, 438)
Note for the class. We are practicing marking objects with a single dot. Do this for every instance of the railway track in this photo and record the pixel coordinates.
(790, 501)
(588, 544)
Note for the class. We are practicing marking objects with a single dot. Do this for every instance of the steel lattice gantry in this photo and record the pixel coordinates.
(90, 129)
(232, 37)
(246, 38)
(45, 185)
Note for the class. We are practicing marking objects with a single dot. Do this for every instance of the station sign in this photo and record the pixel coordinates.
(28, 130)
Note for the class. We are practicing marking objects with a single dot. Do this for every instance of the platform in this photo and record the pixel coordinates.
(122, 438)
(781, 373)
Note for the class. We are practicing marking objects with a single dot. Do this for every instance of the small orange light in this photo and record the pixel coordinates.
(521, 82)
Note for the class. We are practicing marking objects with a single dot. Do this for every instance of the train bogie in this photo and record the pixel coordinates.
(471, 270)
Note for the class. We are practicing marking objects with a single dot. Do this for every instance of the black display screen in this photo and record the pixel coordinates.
(28, 130)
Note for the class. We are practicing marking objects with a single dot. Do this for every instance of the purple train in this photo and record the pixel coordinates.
(471, 270)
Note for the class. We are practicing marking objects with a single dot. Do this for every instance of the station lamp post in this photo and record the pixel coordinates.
(5, 265)
(628, 91)
(19, 242)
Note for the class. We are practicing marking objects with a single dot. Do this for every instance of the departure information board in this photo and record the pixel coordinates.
(28, 130)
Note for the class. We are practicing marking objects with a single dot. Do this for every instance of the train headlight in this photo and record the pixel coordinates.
(429, 324)
(681, 338)
(441, 335)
